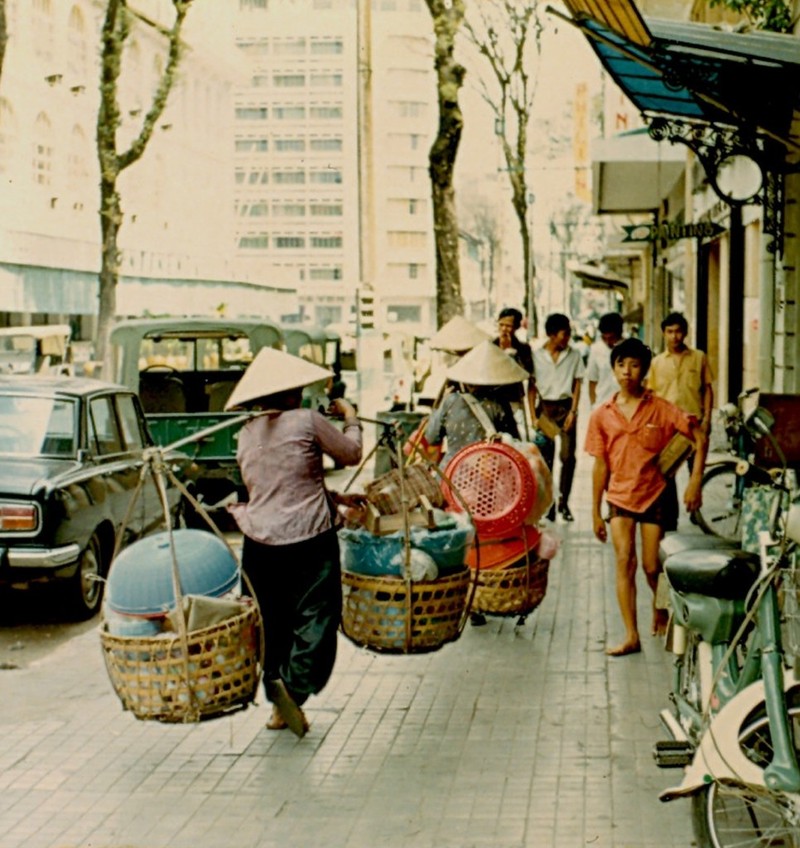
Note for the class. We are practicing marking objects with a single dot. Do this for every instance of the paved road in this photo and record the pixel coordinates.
(508, 737)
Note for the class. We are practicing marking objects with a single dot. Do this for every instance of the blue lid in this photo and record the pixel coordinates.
(140, 579)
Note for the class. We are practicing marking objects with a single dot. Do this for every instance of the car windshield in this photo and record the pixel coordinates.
(37, 426)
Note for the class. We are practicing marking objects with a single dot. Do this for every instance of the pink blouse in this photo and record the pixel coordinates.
(280, 456)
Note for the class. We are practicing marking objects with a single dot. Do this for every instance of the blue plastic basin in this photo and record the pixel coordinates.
(140, 580)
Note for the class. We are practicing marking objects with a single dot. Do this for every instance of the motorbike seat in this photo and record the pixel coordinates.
(676, 543)
(727, 575)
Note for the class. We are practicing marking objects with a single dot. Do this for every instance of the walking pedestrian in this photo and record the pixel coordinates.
(508, 322)
(682, 375)
(291, 551)
(558, 371)
(625, 436)
(599, 373)
(472, 405)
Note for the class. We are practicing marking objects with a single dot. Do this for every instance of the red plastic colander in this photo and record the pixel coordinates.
(495, 482)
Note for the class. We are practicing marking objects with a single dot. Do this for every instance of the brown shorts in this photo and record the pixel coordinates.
(663, 511)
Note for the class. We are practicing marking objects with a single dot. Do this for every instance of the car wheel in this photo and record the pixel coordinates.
(86, 585)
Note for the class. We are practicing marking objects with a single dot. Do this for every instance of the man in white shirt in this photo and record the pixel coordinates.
(599, 373)
(558, 369)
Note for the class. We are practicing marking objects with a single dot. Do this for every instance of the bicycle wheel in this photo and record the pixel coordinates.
(688, 686)
(721, 512)
(728, 815)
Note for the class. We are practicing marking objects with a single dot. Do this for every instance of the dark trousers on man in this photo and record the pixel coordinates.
(557, 411)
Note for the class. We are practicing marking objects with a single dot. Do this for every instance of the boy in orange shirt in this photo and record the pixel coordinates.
(625, 436)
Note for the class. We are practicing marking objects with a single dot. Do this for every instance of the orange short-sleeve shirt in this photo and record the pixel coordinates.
(630, 448)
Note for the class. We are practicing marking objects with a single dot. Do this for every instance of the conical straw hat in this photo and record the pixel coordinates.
(457, 335)
(487, 365)
(274, 371)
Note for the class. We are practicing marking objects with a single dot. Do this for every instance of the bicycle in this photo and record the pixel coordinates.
(735, 695)
(724, 482)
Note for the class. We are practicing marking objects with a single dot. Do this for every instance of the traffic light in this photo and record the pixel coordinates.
(366, 310)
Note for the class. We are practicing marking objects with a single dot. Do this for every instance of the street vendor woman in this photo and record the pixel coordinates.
(291, 551)
(467, 415)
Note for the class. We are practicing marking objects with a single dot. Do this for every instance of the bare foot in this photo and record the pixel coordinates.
(624, 649)
(660, 619)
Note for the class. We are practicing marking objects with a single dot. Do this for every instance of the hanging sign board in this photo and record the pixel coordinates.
(671, 232)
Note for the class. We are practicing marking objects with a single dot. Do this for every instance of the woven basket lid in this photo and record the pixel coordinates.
(457, 335)
(487, 365)
(274, 371)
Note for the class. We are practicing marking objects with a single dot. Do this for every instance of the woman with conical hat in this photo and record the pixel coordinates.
(477, 373)
(291, 550)
(451, 341)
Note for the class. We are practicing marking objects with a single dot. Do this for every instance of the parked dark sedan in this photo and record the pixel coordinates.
(71, 453)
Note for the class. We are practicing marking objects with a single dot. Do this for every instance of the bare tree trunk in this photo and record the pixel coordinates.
(447, 18)
(116, 29)
(3, 33)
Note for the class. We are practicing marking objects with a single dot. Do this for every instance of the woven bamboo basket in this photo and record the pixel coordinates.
(515, 590)
(375, 612)
(156, 677)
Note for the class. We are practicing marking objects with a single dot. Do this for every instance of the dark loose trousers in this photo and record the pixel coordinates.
(299, 590)
(557, 411)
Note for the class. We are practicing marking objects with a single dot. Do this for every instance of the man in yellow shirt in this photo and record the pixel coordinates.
(681, 374)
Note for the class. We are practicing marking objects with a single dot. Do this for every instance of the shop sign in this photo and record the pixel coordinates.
(670, 231)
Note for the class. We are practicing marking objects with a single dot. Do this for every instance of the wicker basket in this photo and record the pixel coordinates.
(375, 611)
(155, 679)
(515, 590)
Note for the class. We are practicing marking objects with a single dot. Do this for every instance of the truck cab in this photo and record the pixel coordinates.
(184, 370)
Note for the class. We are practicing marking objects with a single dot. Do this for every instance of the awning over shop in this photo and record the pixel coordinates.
(696, 72)
(632, 173)
(593, 277)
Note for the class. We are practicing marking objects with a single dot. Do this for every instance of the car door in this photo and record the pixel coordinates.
(118, 467)
(135, 439)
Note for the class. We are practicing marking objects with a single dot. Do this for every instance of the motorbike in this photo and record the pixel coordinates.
(724, 482)
(734, 719)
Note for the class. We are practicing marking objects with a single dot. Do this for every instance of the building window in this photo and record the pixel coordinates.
(253, 241)
(77, 166)
(251, 113)
(406, 314)
(413, 271)
(323, 4)
(326, 80)
(326, 145)
(289, 113)
(412, 206)
(252, 4)
(326, 242)
(334, 273)
(326, 209)
(325, 113)
(8, 135)
(252, 145)
(409, 109)
(259, 81)
(290, 210)
(407, 239)
(289, 241)
(77, 63)
(288, 177)
(332, 175)
(43, 26)
(289, 46)
(253, 46)
(289, 80)
(42, 150)
(414, 141)
(284, 145)
(259, 210)
(326, 46)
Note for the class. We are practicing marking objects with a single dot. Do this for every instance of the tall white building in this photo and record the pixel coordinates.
(333, 130)
(177, 231)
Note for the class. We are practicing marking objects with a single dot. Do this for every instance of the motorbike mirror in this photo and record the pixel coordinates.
(760, 421)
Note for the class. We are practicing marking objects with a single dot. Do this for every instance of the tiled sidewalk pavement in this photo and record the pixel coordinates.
(509, 737)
